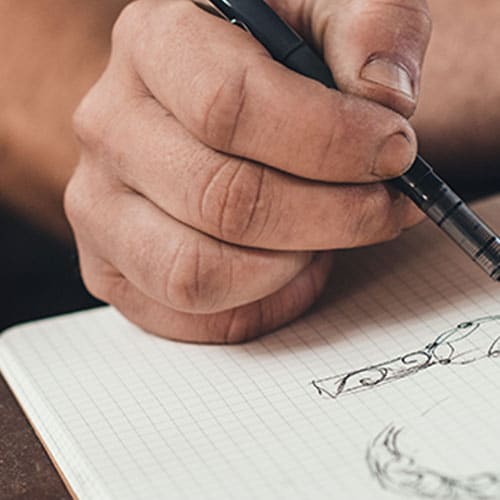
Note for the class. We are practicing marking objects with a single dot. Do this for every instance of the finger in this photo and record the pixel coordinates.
(375, 48)
(228, 327)
(244, 202)
(168, 261)
(226, 90)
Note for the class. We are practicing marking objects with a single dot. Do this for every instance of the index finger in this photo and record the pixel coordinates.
(228, 92)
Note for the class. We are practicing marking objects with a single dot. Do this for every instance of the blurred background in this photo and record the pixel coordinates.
(52, 52)
(38, 273)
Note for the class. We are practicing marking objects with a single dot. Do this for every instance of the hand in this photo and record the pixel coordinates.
(213, 182)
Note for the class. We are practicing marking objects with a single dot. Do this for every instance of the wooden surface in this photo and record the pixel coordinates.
(26, 471)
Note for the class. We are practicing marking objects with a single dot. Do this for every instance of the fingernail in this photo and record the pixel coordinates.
(395, 157)
(388, 73)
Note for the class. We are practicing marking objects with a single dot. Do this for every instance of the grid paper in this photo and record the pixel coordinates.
(353, 401)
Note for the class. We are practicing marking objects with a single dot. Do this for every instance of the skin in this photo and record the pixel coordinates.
(205, 219)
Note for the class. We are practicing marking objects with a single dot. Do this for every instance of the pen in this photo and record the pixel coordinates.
(420, 183)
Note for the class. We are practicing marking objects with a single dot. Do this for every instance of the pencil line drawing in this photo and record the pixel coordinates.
(400, 473)
(467, 343)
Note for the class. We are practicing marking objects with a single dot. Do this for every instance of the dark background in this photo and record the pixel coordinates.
(38, 275)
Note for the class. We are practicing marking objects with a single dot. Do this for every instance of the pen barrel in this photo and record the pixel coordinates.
(444, 207)
(463, 226)
(263, 23)
(302, 59)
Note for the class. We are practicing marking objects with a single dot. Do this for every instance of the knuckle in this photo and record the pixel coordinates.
(145, 22)
(240, 328)
(419, 23)
(243, 324)
(87, 196)
(192, 280)
(74, 200)
(236, 203)
(98, 121)
(115, 291)
(179, 13)
(233, 326)
(218, 114)
(238, 335)
(415, 13)
(82, 126)
(333, 144)
(98, 284)
(126, 26)
(421, 12)
(88, 120)
(111, 290)
(407, 23)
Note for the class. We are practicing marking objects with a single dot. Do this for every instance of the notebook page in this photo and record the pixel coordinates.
(389, 388)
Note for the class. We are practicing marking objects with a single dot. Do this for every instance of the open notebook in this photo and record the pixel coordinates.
(389, 388)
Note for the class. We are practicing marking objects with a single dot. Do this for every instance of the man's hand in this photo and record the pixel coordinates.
(214, 182)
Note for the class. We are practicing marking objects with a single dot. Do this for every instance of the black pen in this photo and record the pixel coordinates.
(420, 183)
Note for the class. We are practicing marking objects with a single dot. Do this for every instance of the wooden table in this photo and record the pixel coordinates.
(26, 471)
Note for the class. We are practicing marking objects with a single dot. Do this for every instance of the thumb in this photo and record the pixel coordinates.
(375, 48)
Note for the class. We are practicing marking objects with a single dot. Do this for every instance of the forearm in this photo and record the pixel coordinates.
(458, 118)
(53, 51)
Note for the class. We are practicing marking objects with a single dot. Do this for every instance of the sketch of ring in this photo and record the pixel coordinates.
(400, 473)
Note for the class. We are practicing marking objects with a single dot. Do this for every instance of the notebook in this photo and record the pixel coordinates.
(389, 388)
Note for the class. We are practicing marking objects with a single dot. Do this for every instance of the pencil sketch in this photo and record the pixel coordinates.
(400, 473)
(467, 343)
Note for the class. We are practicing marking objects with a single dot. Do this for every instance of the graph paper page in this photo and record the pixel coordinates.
(389, 388)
